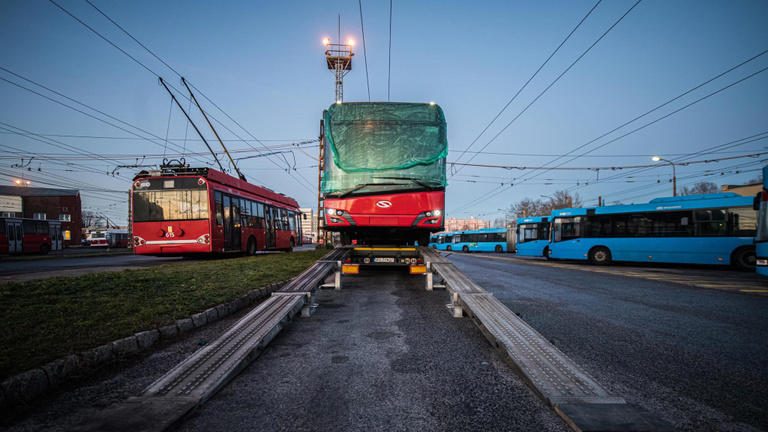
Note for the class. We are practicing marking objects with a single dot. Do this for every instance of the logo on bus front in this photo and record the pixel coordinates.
(384, 204)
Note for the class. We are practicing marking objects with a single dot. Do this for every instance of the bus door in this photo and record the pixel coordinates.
(54, 232)
(15, 236)
(236, 241)
(269, 215)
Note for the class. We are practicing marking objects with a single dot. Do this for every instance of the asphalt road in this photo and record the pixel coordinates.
(383, 354)
(696, 357)
(21, 270)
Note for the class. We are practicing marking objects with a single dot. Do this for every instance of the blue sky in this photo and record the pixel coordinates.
(263, 63)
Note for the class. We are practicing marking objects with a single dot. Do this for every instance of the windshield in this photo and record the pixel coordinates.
(762, 222)
(169, 200)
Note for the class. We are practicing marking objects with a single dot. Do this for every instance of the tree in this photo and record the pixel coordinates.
(536, 207)
(702, 187)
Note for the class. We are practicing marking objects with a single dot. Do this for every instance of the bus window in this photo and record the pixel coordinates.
(709, 222)
(219, 209)
(568, 228)
(742, 222)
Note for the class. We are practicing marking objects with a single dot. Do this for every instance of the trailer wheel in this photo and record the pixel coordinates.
(744, 259)
(600, 255)
(465, 249)
(498, 249)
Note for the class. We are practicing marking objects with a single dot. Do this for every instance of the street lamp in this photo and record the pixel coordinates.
(674, 173)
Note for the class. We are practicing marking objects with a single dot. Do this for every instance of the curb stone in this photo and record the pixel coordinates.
(24, 387)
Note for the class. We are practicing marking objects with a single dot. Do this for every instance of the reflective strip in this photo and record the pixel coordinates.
(162, 242)
(762, 262)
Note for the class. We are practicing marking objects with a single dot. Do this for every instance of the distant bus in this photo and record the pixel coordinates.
(761, 240)
(482, 240)
(97, 239)
(532, 236)
(118, 238)
(28, 236)
(180, 210)
(714, 229)
(441, 241)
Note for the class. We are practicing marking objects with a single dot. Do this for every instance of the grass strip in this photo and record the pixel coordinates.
(43, 320)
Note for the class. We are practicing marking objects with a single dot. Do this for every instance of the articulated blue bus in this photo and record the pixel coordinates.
(482, 240)
(441, 241)
(532, 236)
(696, 229)
(761, 239)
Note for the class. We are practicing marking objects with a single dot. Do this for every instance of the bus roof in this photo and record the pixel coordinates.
(688, 202)
(533, 219)
(223, 179)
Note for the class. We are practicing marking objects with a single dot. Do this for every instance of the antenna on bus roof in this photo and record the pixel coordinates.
(193, 124)
(239, 174)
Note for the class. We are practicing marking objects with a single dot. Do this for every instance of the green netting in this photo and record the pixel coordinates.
(392, 145)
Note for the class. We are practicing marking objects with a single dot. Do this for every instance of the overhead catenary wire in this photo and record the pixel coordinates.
(365, 52)
(525, 85)
(560, 76)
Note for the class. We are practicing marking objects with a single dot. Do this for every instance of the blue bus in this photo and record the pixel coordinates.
(482, 240)
(532, 236)
(696, 229)
(761, 239)
(441, 241)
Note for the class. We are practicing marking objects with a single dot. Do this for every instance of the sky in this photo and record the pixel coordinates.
(263, 64)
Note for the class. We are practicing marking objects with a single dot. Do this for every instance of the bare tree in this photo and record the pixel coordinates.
(563, 199)
(702, 187)
(536, 207)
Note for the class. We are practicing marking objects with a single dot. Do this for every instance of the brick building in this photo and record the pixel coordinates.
(50, 204)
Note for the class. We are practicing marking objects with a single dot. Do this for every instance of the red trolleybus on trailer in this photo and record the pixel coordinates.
(180, 210)
(383, 174)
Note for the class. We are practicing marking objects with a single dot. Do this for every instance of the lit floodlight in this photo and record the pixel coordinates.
(326, 41)
(656, 158)
(351, 42)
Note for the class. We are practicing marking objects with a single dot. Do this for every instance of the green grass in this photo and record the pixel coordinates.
(43, 320)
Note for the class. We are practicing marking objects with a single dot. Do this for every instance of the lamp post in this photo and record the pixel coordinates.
(674, 173)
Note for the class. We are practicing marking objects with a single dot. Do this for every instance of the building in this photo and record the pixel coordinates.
(45, 204)
(750, 189)
(455, 224)
(308, 225)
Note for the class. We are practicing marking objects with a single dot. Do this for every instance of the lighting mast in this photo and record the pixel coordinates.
(338, 57)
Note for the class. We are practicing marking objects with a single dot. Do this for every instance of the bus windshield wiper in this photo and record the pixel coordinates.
(411, 179)
(365, 185)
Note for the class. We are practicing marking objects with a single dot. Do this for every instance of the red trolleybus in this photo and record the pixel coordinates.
(180, 210)
(24, 236)
(383, 173)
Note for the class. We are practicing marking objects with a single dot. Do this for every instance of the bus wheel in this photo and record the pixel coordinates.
(44, 249)
(465, 249)
(600, 256)
(291, 245)
(448, 248)
(498, 249)
(251, 246)
(744, 259)
(545, 253)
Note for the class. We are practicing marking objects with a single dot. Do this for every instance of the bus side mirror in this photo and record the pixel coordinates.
(756, 202)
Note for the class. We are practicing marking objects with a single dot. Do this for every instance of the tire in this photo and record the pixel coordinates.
(251, 250)
(465, 249)
(291, 245)
(744, 259)
(448, 248)
(600, 256)
(44, 249)
(545, 253)
(498, 249)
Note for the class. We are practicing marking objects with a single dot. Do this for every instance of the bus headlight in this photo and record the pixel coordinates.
(330, 211)
(436, 212)
(138, 241)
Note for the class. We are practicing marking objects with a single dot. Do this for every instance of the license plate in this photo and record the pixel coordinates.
(384, 260)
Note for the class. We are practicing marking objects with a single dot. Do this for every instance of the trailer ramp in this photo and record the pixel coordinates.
(575, 396)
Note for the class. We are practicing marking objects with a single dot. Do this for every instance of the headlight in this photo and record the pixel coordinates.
(339, 212)
(330, 211)
(436, 213)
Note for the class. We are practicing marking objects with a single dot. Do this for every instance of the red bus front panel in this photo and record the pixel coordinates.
(172, 237)
(417, 210)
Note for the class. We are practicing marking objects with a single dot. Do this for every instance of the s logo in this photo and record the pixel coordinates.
(384, 204)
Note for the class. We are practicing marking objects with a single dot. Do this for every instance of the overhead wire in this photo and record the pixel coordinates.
(365, 52)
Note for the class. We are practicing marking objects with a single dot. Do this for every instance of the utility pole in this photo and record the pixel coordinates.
(674, 172)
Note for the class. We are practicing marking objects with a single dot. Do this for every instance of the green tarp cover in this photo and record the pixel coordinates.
(401, 144)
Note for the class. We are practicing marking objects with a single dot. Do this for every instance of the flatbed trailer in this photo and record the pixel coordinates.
(383, 256)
